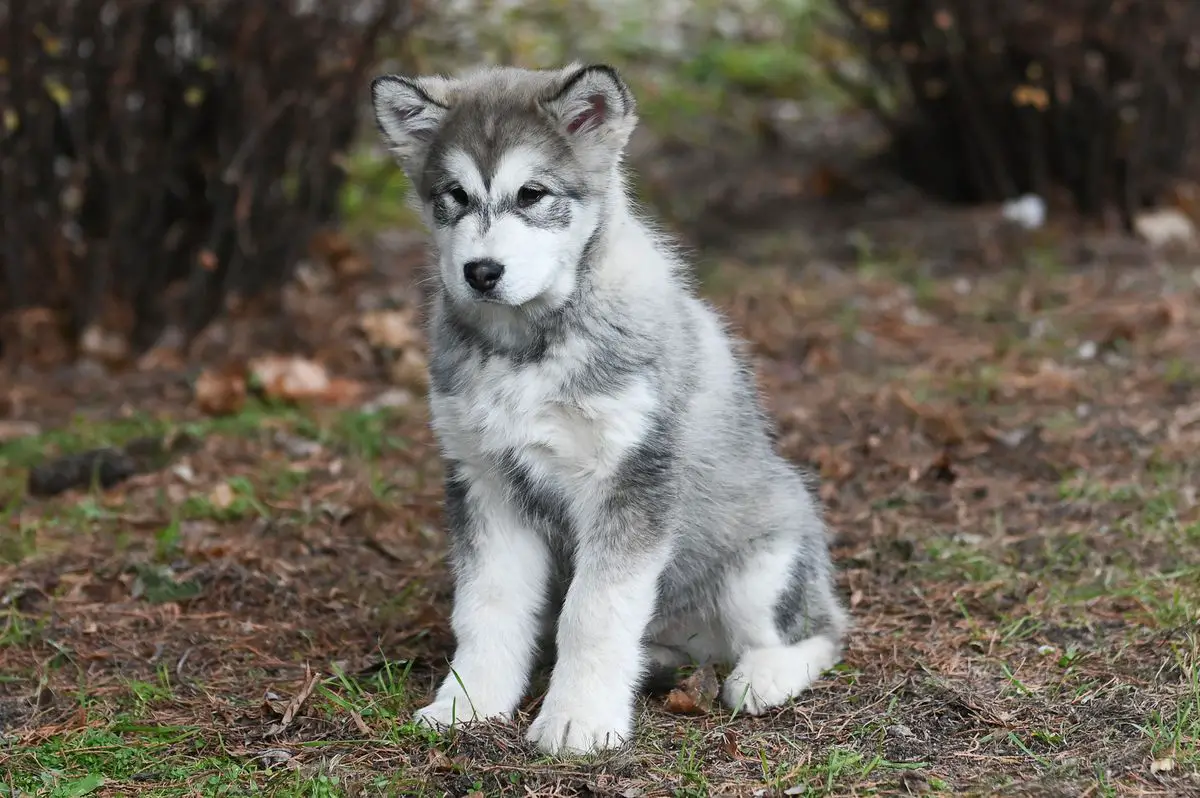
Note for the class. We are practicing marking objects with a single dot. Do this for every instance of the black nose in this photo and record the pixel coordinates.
(482, 275)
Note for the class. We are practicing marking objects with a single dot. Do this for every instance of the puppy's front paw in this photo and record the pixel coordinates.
(457, 710)
(579, 730)
(441, 714)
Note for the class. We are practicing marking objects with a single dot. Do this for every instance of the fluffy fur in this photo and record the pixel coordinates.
(608, 464)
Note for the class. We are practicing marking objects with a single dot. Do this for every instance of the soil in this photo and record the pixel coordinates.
(1006, 434)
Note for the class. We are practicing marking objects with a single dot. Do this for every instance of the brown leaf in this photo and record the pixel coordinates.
(220, 393)
(222, 496)
(834, 462)
(438, 761)
(340, 253)
(360, 724)
(289, 713)
(285, 377)
(293, 378)
(1162, 764)
(352, 266)
(104, 345)
(1050, 381)
(695, 694)
(942, 421)
(729, 743)
(411, 369)
(268, 709)
(389, 329)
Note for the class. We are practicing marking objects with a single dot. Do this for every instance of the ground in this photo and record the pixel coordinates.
(1008, 450)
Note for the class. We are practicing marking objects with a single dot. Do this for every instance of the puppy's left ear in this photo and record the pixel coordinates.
(594, 109)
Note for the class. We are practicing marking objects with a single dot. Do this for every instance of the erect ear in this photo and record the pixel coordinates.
(594, 108)
(408, 112)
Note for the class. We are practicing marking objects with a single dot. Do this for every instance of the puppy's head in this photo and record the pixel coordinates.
(511, 169)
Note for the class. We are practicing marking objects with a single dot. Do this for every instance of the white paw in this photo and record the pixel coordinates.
(578, 730)
(770, 677)
(445, 712)
(752, 693)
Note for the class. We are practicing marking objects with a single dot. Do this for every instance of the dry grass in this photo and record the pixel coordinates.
(1010, 467)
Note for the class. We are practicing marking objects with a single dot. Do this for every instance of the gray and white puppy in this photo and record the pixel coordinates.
(607, 459)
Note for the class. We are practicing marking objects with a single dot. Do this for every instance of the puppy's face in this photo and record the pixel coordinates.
(510, 169)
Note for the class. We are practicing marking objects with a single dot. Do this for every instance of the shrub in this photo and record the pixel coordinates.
(990, 99)
(160, 156)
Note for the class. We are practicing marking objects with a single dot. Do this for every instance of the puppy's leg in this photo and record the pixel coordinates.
(589, 704)
(502, 569)
(783, 622)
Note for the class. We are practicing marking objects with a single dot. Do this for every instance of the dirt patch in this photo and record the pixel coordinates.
(1011, 489)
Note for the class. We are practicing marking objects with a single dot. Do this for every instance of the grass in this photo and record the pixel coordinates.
(1027, 604)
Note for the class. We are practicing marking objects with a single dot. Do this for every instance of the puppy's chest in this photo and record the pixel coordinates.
(527, 413)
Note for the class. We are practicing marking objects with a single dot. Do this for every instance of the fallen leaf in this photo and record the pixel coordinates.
(914, 782)
(1050, 381)
(220, 393)
(104, 345)
(293, 378)
(337, 250)
(352, 266)
(729, 743)
(389, 329)
(289, 377)
(695, 694)
(1162, 765)
(944, 422)
(834, 462)
(392, 398)
(222, 496)
(410, 369)
(289, 713)
(269, 709)
(360, 724)
(438, 760)
(274, 757)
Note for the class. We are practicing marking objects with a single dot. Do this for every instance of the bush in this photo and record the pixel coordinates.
(990, 99)
(160, 156)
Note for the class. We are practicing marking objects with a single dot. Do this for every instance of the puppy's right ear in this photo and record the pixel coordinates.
(408, 112)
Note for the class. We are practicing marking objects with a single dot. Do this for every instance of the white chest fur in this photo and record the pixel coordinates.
(502, 411)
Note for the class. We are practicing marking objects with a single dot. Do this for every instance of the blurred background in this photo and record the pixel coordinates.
(165, 161)
(957, 235)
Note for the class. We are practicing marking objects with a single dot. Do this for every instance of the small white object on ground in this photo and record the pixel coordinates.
(1028, 211)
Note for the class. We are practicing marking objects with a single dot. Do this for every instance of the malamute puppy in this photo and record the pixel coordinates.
(608, 464)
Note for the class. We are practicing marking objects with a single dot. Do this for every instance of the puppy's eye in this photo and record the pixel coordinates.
(459, 195)
(529, 195)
